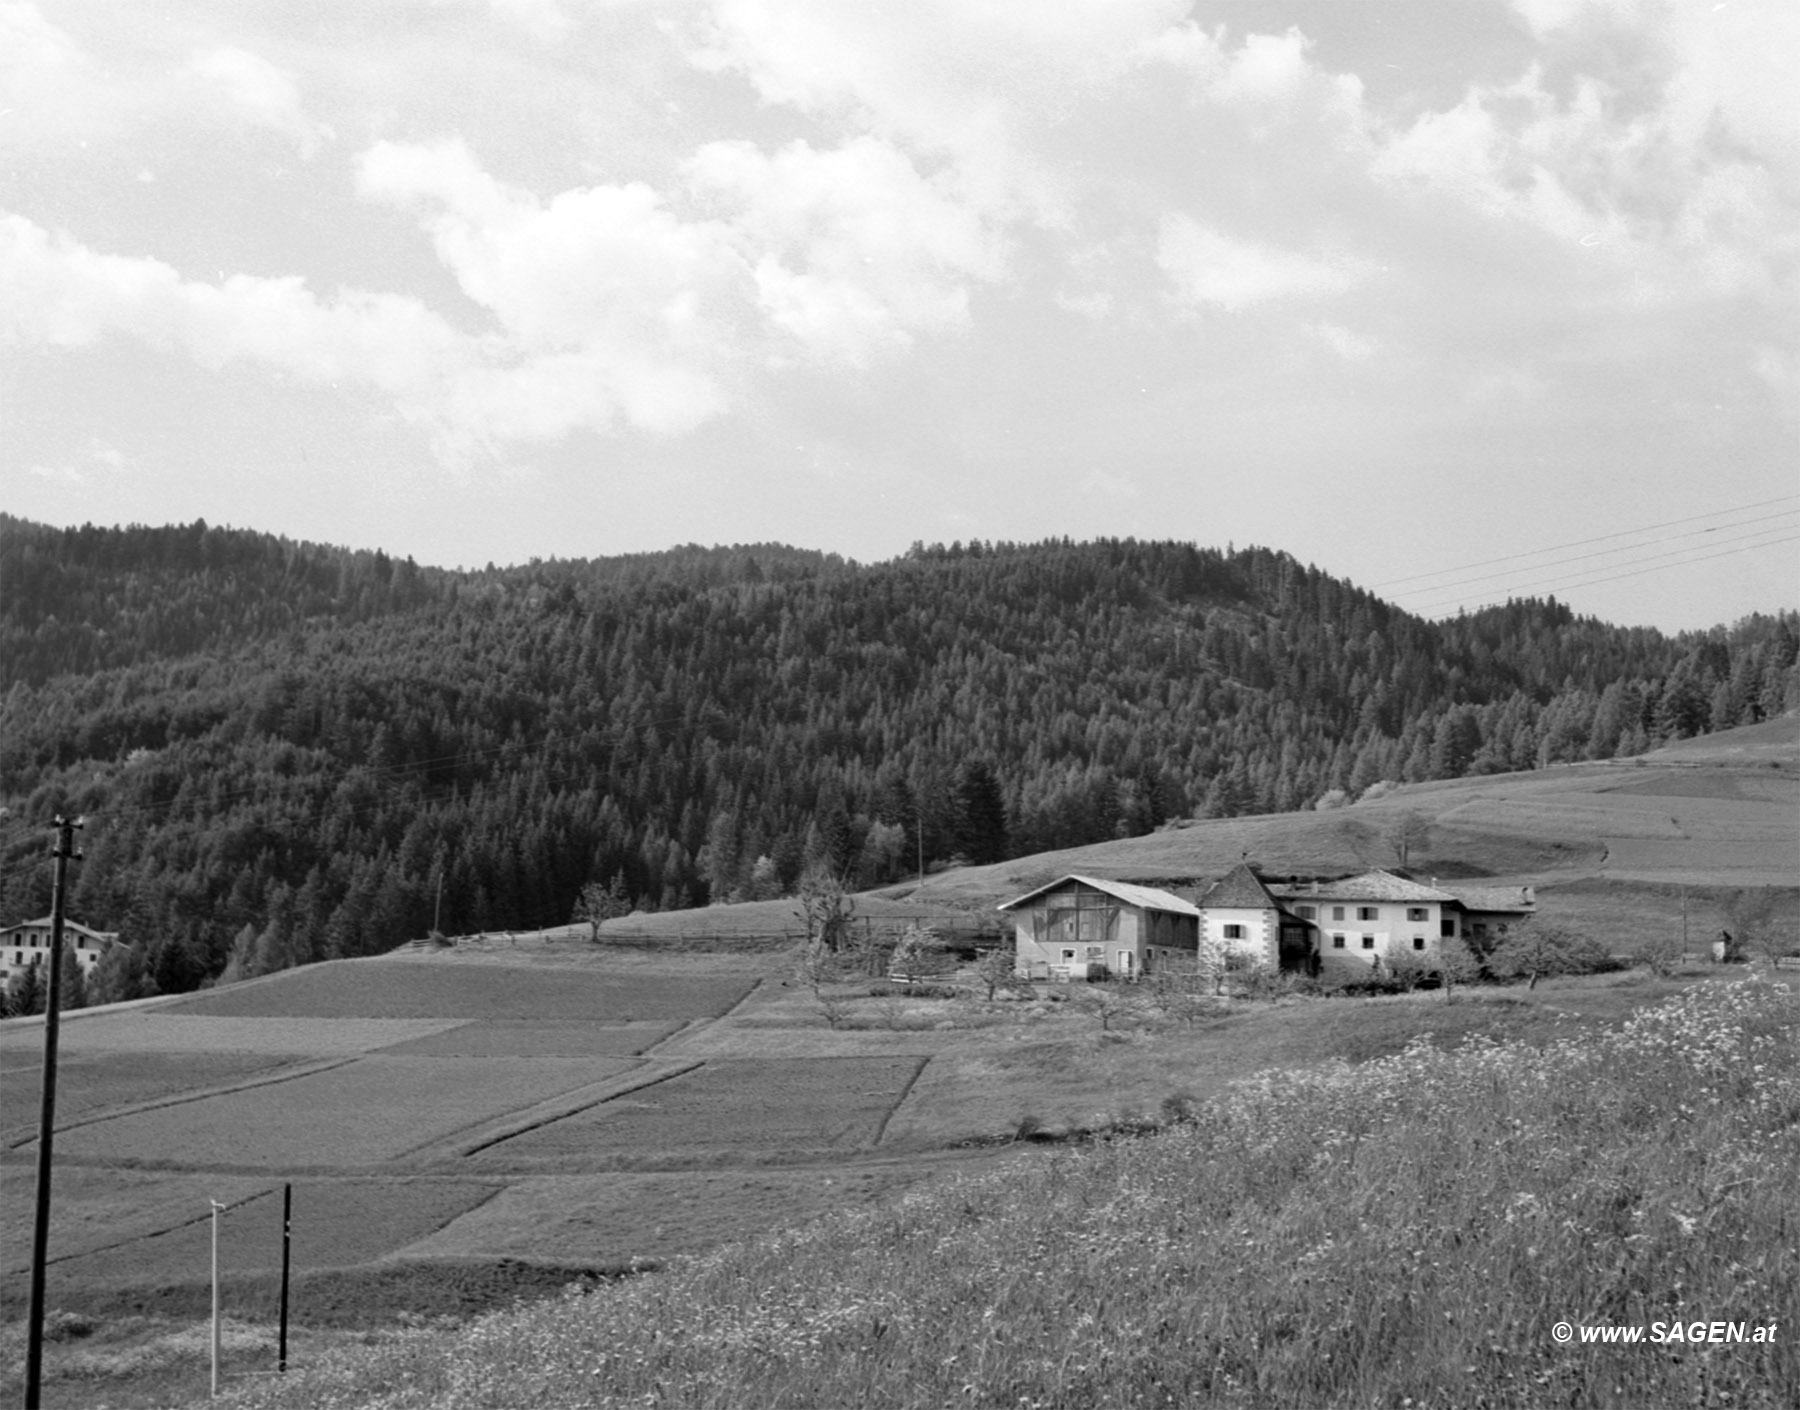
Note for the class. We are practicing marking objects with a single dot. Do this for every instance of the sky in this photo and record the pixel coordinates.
(1459, 301)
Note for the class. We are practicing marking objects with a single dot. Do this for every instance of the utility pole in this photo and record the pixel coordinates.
(40, 1229)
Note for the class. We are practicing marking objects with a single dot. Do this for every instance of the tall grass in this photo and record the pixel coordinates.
(1401, 1233)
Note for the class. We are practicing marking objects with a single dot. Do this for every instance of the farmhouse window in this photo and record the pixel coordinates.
(1368, 912)
(1417, 913)
(1305, 912)
(1068, 956)
(1337, 942)
(1418, 942)
(1368, 942)
(1234, 932)
(1447, 927)
(1337, 912)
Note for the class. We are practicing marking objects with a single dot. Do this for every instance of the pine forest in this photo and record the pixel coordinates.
(289, 752)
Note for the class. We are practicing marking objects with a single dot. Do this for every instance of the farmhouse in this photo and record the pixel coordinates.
(28, 942)
(1376, 915)
(1083, 927)
(1240, 916)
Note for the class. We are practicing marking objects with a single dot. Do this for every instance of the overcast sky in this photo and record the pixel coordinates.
(1395, 285)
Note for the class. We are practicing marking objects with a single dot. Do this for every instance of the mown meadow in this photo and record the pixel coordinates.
(1404, 1232)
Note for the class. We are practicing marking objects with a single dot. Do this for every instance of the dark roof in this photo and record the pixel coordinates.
(1239, 889)
(1369, 886)
(1497, 898)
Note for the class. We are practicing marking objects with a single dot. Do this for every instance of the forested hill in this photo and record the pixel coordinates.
(285, 748)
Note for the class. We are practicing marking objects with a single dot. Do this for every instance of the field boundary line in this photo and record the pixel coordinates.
(266, 1079)
(572, 1104)
(697, 1025)
(900, 1101)
(227, 1208)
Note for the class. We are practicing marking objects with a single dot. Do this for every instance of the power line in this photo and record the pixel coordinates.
(1760, 525)
(1582, 543)
(1648, 566)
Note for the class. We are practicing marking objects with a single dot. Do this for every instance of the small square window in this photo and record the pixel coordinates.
(1447, 927)
(1337, 942)
(1368, 942)
(1234, 932)
(1418, 942)
(1417, 913)
(1306, 912)
(1337, 912)
(1368, 912)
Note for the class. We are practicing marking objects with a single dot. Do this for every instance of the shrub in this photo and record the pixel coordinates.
(1536, 951)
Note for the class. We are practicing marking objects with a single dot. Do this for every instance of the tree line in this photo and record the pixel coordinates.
(291, 752)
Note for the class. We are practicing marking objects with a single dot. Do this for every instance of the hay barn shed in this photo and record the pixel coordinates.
(1085, 927)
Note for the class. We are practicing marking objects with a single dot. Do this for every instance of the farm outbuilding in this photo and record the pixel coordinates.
(1085, 927)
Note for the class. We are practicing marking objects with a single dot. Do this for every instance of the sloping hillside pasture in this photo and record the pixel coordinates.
(1407, 1232)
(337, 1223)
(735, 1110)
(163, 1028)
(518, 1038)
(369, 1110)
(615, 1220)
(1728, 806)
(408, 989)
(90, 1082)
(96, 1207)
(1629, 917)
(1069, 1076)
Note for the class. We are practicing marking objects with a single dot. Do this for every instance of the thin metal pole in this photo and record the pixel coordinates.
(40, 1229)
(287, 1239)
(216, 1207)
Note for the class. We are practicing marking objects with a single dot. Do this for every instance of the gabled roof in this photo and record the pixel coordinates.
(1369, 886)
(1239, 889)
(69, 926)
(1497, 898)
(1146, 898)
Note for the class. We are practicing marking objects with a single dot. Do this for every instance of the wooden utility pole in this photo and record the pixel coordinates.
(40, 1229)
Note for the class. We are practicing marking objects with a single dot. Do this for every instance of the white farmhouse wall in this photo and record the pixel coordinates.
(1371, 930)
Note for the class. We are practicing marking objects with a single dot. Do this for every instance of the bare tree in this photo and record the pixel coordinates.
(825, 909)
(1408, 833)
(997, 969)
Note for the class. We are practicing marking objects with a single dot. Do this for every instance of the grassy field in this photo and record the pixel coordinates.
(736, 1109)
(91, 1082)
(408, 989)
(1723, 811)
(373, 1109)
(1410, 1232)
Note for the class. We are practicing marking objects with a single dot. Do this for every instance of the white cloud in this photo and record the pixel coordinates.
(1208, 268)
(264, 94)
(608, 304)
(854, 251)
(1349, 345)
(1660, 134)
(977, 81)
(55, 292)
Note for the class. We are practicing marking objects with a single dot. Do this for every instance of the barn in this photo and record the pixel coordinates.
(1086, 927)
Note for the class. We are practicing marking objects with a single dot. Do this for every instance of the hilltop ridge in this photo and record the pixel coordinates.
(290, 752)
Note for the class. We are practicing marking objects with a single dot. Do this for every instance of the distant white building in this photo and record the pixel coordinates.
(29, 941)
